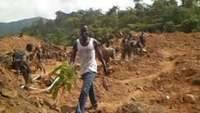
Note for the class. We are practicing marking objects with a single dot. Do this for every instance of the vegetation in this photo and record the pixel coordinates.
(160, 16)
(66, 76)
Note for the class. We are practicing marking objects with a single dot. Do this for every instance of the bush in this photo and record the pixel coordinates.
(66, 79)
(190, 24)
(169, 27)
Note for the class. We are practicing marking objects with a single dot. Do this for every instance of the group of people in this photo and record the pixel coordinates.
(35, 56)
(86, 48)
(132, 45)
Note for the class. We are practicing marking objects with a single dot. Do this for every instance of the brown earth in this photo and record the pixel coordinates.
(7, 44)
(165, 80)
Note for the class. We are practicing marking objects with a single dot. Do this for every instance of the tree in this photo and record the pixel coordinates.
(160, 16)
(137, 1)
(189, 3)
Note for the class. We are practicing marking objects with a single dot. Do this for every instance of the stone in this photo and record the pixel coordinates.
(167, 97)
(127, 84)
(139, 88)
(9, 93)
(11, 103)
(37, 104)
(133, 99)
(196, 81)
(131, 108)
(189, 98)
(138, 73)
(49, 102)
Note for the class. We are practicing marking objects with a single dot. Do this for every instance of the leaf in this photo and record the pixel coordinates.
(67, 77)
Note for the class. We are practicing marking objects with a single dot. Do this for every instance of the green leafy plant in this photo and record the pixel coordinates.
(66, 77)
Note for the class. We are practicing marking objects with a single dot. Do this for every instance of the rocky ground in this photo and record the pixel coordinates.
(165, 80)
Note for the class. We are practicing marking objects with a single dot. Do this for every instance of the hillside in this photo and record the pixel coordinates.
(17, 26)
(14, 42)
(165, 80)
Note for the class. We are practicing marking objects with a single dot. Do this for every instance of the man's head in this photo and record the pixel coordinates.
(84, 32)
(29, 47)
(107, 44)
(129, 35)
(142, 33)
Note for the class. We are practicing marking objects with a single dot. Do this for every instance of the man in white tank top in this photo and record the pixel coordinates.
(85, 48)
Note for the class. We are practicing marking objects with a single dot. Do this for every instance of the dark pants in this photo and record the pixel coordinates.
(143, 42)
(26, 72)
(88, 89)
(16, 66)
(126, 52)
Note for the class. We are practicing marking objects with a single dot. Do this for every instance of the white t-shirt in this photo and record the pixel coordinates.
(86, 56)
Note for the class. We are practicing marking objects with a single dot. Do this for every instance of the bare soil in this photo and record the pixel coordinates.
(157, 82)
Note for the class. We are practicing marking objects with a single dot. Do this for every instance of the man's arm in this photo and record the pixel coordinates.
(73, 55)
(100, 56)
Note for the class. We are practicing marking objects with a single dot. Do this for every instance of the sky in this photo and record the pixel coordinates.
(13, 10)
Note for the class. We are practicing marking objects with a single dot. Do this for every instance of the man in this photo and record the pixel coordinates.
(134, 45)
(142, 41)
(38, 52)
(86, 47)
(108, 53)
(126, 46)
(21, 60)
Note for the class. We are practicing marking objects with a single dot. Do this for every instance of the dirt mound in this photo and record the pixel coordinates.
(13, 99)
(165, 80)
(6, 77)
(9, 43)
(175, 86)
